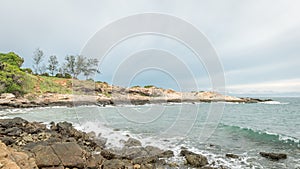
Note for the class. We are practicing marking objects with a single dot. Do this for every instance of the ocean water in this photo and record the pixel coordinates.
(241, 129)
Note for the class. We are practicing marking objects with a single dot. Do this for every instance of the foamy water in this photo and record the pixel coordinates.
(245, 129)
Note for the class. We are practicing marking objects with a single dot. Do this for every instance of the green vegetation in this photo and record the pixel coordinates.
(19, 81)
(52, 85)
(11, 76)
(149, 86)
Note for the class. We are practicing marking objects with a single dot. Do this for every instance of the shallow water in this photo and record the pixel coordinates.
(243, 129)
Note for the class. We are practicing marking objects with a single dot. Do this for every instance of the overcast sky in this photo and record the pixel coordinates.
(258, 41)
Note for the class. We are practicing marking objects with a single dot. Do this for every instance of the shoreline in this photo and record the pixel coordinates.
(10, 101)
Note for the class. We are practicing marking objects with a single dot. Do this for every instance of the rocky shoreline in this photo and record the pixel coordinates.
(33, 145)
(139, 96)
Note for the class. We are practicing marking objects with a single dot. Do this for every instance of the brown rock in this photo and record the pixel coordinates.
(11, 159)
(116, 164)
(70, 154)
(94, 161)
(45, 156)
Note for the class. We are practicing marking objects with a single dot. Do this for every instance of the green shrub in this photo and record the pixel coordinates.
(45, 74)
(11, 76)
(12, 59)
(149, 86)
(27, 70)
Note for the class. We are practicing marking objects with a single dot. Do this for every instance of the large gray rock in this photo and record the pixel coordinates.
(45, 156)
(193, 159)
(66, 154)
(70, 154)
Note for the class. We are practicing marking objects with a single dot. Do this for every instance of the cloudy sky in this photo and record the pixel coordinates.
(258, 42)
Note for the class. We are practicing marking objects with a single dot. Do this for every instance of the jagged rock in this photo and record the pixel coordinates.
(14, 131)
(108, 154)
(94, 161)
(132, 142)
(273, 156)
(11, 159)
(193, 159)
(100, 141)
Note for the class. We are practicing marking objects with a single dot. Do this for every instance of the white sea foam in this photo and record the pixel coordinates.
(272, 102)
(115, 139)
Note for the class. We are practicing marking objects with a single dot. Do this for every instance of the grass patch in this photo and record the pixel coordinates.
(52, 85)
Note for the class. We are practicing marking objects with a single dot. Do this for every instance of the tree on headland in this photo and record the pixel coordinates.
(76, 65)
(69, 66)
(38, 57)
(52, 64)
(80, 65)
(91, 68)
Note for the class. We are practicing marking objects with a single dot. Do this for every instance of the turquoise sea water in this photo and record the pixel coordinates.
(243, 129)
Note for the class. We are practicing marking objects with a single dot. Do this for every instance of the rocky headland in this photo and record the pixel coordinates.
(104, 94)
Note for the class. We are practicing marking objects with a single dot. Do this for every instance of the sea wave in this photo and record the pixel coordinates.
(273, 102)
(116, 139)
(264, 135)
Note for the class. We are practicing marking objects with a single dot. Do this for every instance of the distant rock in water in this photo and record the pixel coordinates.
(273, 156)
(231, 155)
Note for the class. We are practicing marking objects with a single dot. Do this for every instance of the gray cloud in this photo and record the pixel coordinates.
(257, 41)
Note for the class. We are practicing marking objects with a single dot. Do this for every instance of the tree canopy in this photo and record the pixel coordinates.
(11, 76)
